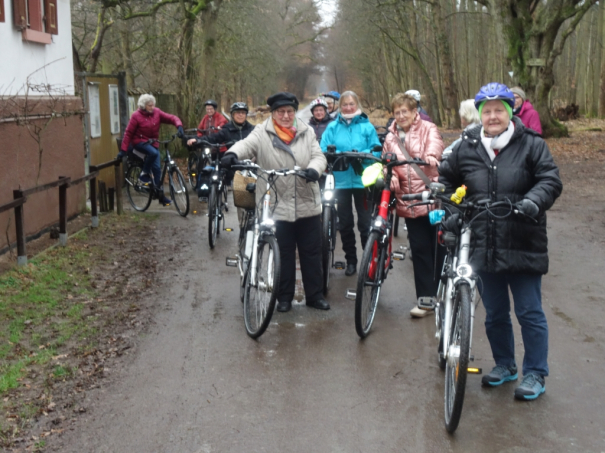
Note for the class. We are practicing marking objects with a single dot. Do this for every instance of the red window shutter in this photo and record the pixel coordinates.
(20, 13)
(2, 19)
(50, 17)
(34, 10)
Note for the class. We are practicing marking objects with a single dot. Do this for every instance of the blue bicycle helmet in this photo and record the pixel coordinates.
(495, 91)
(332, 94)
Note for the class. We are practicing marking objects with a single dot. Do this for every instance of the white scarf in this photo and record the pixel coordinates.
(350, 116)
(498, 142)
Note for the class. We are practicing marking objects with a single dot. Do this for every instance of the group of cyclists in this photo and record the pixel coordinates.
(496, 158)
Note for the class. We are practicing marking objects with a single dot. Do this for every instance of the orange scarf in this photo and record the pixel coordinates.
(286, 135)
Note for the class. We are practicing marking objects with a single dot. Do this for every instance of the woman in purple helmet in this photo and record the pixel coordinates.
(501, 159)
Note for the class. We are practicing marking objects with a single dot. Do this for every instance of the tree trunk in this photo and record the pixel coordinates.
(601, 49)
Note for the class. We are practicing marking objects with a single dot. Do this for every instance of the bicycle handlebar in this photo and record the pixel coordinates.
(161, 142)
(250, 166)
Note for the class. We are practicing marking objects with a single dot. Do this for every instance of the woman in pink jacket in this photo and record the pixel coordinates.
(422, 140)
(144, 125)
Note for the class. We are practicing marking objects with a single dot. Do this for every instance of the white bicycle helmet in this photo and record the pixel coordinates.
(414, 93)
(317, 102)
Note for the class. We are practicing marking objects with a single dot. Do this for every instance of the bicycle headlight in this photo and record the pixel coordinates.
(328, 195)
(464, 270)
(214, 177)
(378, 222)
(171, 162)
(268, 223)
(206, 150)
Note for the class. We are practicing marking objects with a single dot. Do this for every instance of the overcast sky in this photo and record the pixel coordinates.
(327, 9)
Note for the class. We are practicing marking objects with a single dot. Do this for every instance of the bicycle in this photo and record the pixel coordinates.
(457, 296)
(141, 194)
(377, 255)
(217, 190)
(260, 264)
(198, 158)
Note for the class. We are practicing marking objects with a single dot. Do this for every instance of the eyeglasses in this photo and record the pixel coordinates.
(289, 112)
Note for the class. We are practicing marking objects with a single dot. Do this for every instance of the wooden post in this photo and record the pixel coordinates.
(20, 229)
(110, 197)
(102, 196)
(63, 212)
(118, 185)
(94, 215)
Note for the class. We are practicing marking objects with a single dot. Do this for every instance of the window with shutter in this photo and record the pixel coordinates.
(34, 16)
(50, 17)
(37, 19)
(20, 14)
(2, 11)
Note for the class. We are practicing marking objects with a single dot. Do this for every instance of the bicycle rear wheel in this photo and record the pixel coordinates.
(139, 195)
(213, 203)
(456, 365)
(369, 281)
(193, 168)
(259, 300)
(179, 192)
(327, 246)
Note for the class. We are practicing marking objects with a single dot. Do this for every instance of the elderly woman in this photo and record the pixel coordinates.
(145, 125)
(351, 130)
(525, 111)
(283, 142)
(469, 117)
(503, 160)
(409, 134)
(320, 117)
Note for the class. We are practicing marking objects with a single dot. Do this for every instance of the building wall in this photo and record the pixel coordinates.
(43, 63)
(23, 167)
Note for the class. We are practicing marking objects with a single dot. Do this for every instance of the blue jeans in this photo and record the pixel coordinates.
(151, 165)
(526, 290)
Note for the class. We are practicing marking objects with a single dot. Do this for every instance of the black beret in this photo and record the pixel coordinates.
(282, 98)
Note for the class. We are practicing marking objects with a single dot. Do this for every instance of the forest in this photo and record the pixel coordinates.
(447, 49)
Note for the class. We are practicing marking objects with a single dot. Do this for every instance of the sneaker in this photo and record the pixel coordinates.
(425, 307)
(145, 179)
(165, 201)
(499, 375)
(351, 269)
(532, 386)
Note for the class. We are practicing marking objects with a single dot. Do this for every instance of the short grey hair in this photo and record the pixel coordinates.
(350, 94)
(468, 112)
(145, 99)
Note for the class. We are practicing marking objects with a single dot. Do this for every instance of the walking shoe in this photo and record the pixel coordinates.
(425, 307)
(320, 304)
(532, 386)
(165, 201)
(145, 179)
(499, 375)
(284, 306)
(351, 269)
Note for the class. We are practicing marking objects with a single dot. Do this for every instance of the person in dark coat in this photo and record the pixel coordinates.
(236, 129)
(503, 160)
(320, 119)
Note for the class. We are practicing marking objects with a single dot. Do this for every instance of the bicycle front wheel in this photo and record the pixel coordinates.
(178, 191)
(212, 216)
(326, 246)
(369, 281)
(260, 297)
(139, 194)
(458, 352)
(193, 168)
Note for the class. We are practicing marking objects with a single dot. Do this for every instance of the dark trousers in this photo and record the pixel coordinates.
(526, 290)
(306, 235)
(346, 220)
(151, 164)
(422, 237)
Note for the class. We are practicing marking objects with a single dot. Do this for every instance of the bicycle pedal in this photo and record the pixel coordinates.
(473, 370)
(231, 262)
(229, 230)
(340, 265)
(399, 256)
(351, 294)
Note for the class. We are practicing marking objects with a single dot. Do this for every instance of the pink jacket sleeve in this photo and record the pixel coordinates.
(167, 118)
(133, 124)
(533, 121)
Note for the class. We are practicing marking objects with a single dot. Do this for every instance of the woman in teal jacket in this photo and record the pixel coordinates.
(351, 130)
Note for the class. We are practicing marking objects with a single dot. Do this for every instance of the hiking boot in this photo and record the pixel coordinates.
(145, 179)
(320, 304)
(165, 201)
(532, 386)
(499, 375)
(425, 307)
(351, 269)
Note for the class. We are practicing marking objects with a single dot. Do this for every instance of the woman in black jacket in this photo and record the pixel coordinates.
(235, 130)
(501, 159)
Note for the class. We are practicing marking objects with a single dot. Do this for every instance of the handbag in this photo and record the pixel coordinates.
(416, 168)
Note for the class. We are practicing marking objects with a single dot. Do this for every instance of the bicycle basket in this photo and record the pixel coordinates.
(204, 182)
(241, 197)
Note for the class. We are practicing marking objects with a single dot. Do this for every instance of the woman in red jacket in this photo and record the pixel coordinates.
(144, 125)
(421, 139)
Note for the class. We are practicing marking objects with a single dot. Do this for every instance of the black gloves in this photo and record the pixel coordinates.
(311, 174)
(228, 160)
(181, 132)
(357, 167)
(121, 155)
(528, 208)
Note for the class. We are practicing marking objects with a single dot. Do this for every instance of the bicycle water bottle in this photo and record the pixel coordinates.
(459, 194)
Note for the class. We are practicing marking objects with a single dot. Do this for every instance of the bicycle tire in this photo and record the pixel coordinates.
(139, 195)
(326, 247)
(366, 299)
(396, 226)
(244, 226)
(439, 319)
(212, 217)
(456, 368)
(179, 192)
(193, 167)
(258, 307)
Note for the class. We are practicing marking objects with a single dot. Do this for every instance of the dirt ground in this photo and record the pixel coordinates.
(126, 280)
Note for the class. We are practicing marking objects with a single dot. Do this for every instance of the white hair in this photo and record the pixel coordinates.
(468, 112)
(145, 99)
(351, 94)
